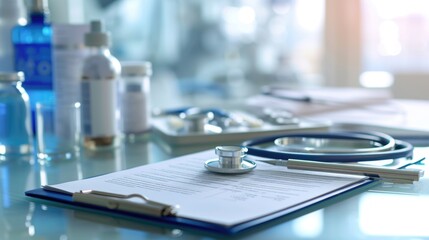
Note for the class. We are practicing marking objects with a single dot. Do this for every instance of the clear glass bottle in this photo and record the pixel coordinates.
(99, 101)
(134, 99)
(16, 137)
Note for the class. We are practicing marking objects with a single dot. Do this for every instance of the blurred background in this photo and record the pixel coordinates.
(228, 49)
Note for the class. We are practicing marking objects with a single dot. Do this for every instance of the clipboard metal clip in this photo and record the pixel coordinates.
(121, 202)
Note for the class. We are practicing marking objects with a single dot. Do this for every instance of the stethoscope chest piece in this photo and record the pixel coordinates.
(231, 161)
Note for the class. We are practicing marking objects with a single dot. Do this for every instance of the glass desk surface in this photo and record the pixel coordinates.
(385, 211)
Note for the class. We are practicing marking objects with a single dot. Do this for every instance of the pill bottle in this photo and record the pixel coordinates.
(16, 136)
(99, 95)
(134, 95)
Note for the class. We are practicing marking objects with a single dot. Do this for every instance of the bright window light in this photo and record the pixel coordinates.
(308, 14)
(376, 79)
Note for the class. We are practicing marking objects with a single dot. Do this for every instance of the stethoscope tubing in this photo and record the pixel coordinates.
(401, 149)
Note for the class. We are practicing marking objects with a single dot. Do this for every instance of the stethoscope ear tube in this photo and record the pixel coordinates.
(401, 149)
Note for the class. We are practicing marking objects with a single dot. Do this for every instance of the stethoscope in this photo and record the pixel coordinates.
(343, 147)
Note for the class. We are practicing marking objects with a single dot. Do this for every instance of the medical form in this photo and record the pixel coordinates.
(222, 199)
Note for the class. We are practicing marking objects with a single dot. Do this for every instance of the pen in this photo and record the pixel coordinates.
(293, 97)
(119, 202)
(386, 174)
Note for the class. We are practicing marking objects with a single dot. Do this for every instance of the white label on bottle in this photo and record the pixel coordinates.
(67, 69)
(99, 103)
(135, 112)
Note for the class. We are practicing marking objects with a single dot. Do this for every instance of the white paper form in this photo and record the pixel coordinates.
(217, 198)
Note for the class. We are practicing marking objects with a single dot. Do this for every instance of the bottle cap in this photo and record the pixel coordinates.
(130, 69)
(12, 76)
(39, 6)
(96, 37)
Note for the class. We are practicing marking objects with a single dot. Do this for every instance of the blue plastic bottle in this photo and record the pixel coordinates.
(33, 54)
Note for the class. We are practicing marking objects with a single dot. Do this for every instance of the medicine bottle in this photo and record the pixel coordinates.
(33, 47)
(134, 94)
(16, 136)
(99, 101)
(33, 54)
(69, 51)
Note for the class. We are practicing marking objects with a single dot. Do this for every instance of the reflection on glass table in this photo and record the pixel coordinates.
(366, 215)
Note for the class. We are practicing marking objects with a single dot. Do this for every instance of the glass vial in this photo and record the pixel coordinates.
(134, 90)
(99, 101)
(15, 128)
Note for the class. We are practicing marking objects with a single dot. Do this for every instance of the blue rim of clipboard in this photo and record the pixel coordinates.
(171, 223)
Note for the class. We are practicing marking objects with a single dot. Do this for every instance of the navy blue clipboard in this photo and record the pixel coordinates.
(178, 222)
